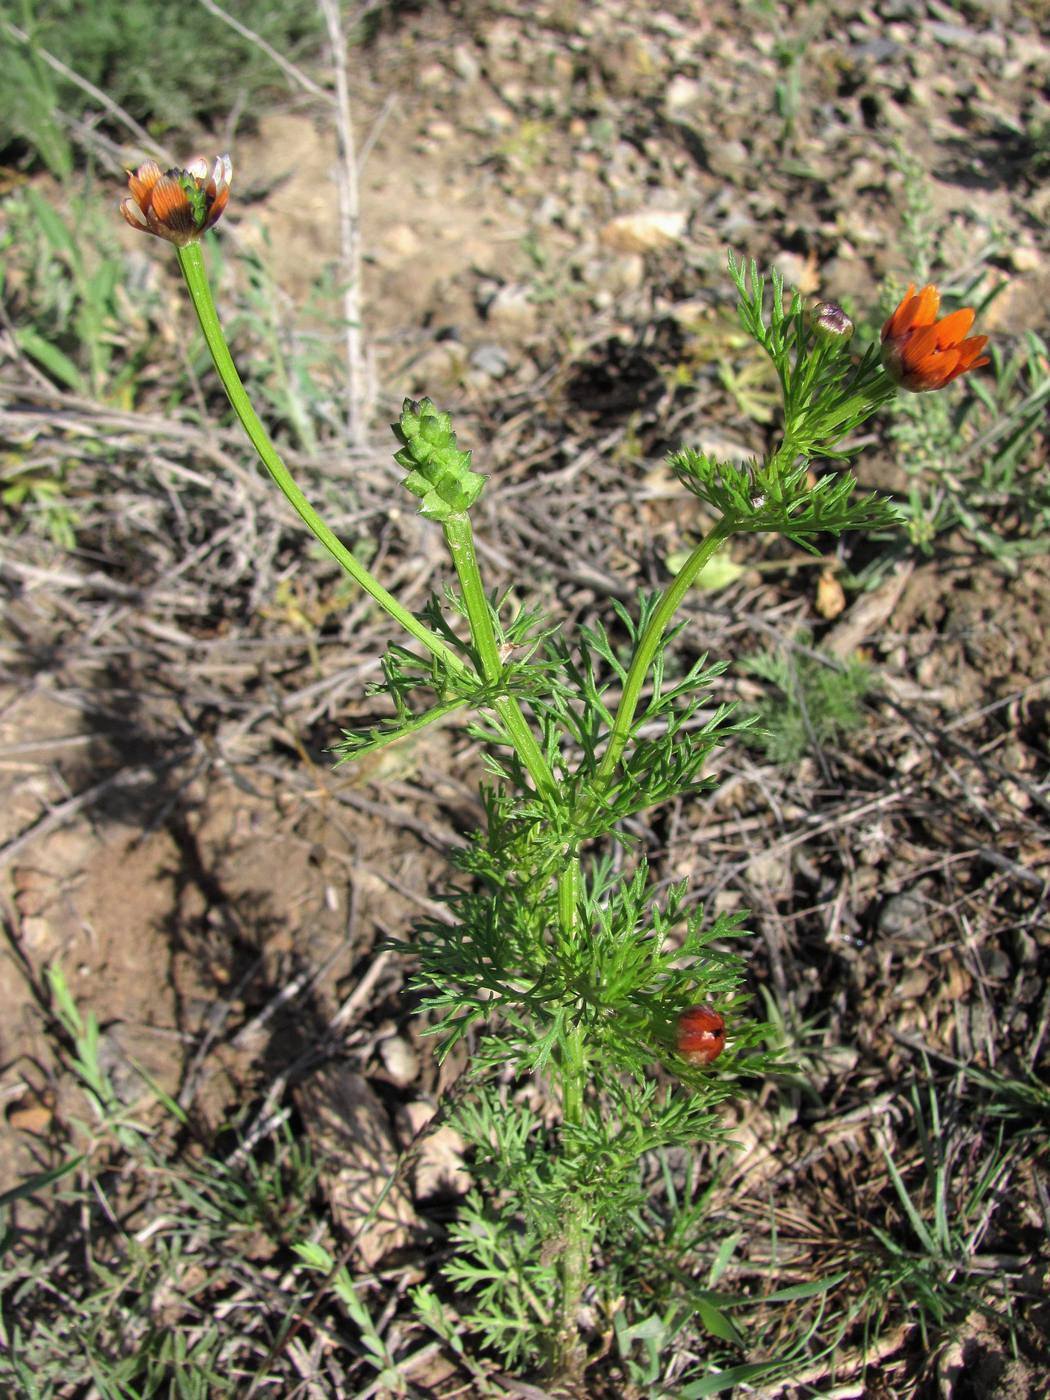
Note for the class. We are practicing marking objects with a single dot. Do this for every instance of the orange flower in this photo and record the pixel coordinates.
(180, 204)
(920, 352)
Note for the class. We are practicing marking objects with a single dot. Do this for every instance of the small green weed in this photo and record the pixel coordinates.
(974, 461)
(818, 700)
(317, 1259)
(63, 274)
(39, 502)
(680, 1302)
(125, 1304)
(947, 1210)
(295, 364)
(170, 66)
(790, 48)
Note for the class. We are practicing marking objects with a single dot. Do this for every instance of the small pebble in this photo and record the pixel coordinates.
(399, 1060)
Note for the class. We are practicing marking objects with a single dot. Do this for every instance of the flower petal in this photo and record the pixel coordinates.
(141, 182)
(134, 215)
(217, 206)
(222, 172)
(929, 303)
(920, 342)
(895, 322)
(171, 207)
(955, 327)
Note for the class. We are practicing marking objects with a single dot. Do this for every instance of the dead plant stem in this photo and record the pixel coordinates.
(349, 232)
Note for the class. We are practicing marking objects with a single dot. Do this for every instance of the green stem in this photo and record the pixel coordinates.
(574, 1257)
(192, 264)
(576, 1239)
(649, 642)
(569, 898)
(460, 539)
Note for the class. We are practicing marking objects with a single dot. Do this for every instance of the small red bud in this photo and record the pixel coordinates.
(701, 1035)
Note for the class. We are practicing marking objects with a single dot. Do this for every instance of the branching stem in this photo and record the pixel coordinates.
(460, 540)
(649, 642)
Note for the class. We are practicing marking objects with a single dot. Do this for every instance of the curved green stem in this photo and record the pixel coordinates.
(460, 539)
(192, 264)
(648, 643)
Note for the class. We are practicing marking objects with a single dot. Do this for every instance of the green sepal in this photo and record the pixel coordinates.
(196, 197)
(438, 471)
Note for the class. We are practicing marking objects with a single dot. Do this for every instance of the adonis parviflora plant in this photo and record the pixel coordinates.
(560, 962)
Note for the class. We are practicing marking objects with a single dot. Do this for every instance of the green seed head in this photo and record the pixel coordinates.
(438, 471)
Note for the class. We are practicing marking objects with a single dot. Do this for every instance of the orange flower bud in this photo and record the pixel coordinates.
(922, 353)
(701, 1035)
(180, 204)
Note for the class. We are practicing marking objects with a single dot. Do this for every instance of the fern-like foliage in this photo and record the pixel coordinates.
(406, 676)
(828, 391)
(549, 957)
(778, 497)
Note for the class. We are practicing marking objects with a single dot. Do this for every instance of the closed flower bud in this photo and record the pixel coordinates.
(701, 1035)
(830, 322)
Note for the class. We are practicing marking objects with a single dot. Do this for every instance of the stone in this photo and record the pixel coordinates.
(646, 231)
(439, 1170)
(682, 95)
(1025, 258)
(905, 915)
(511, 312)
(490, 360)
(399, 1060)
(432, 76)
(349, 1130)
(399, 242)
(465, 63)
(729, 159)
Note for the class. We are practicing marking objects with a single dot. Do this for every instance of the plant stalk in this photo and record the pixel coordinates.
(576, 1237)
(459, 537)
(192, 263)
(648, 643)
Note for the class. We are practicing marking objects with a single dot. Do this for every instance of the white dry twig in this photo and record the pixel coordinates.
(349, 231)
(287, 68)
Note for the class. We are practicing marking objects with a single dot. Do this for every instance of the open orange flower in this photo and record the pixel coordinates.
(180, 204)
(920, 352)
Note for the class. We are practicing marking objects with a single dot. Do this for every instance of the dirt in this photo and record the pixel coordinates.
(219, 899)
